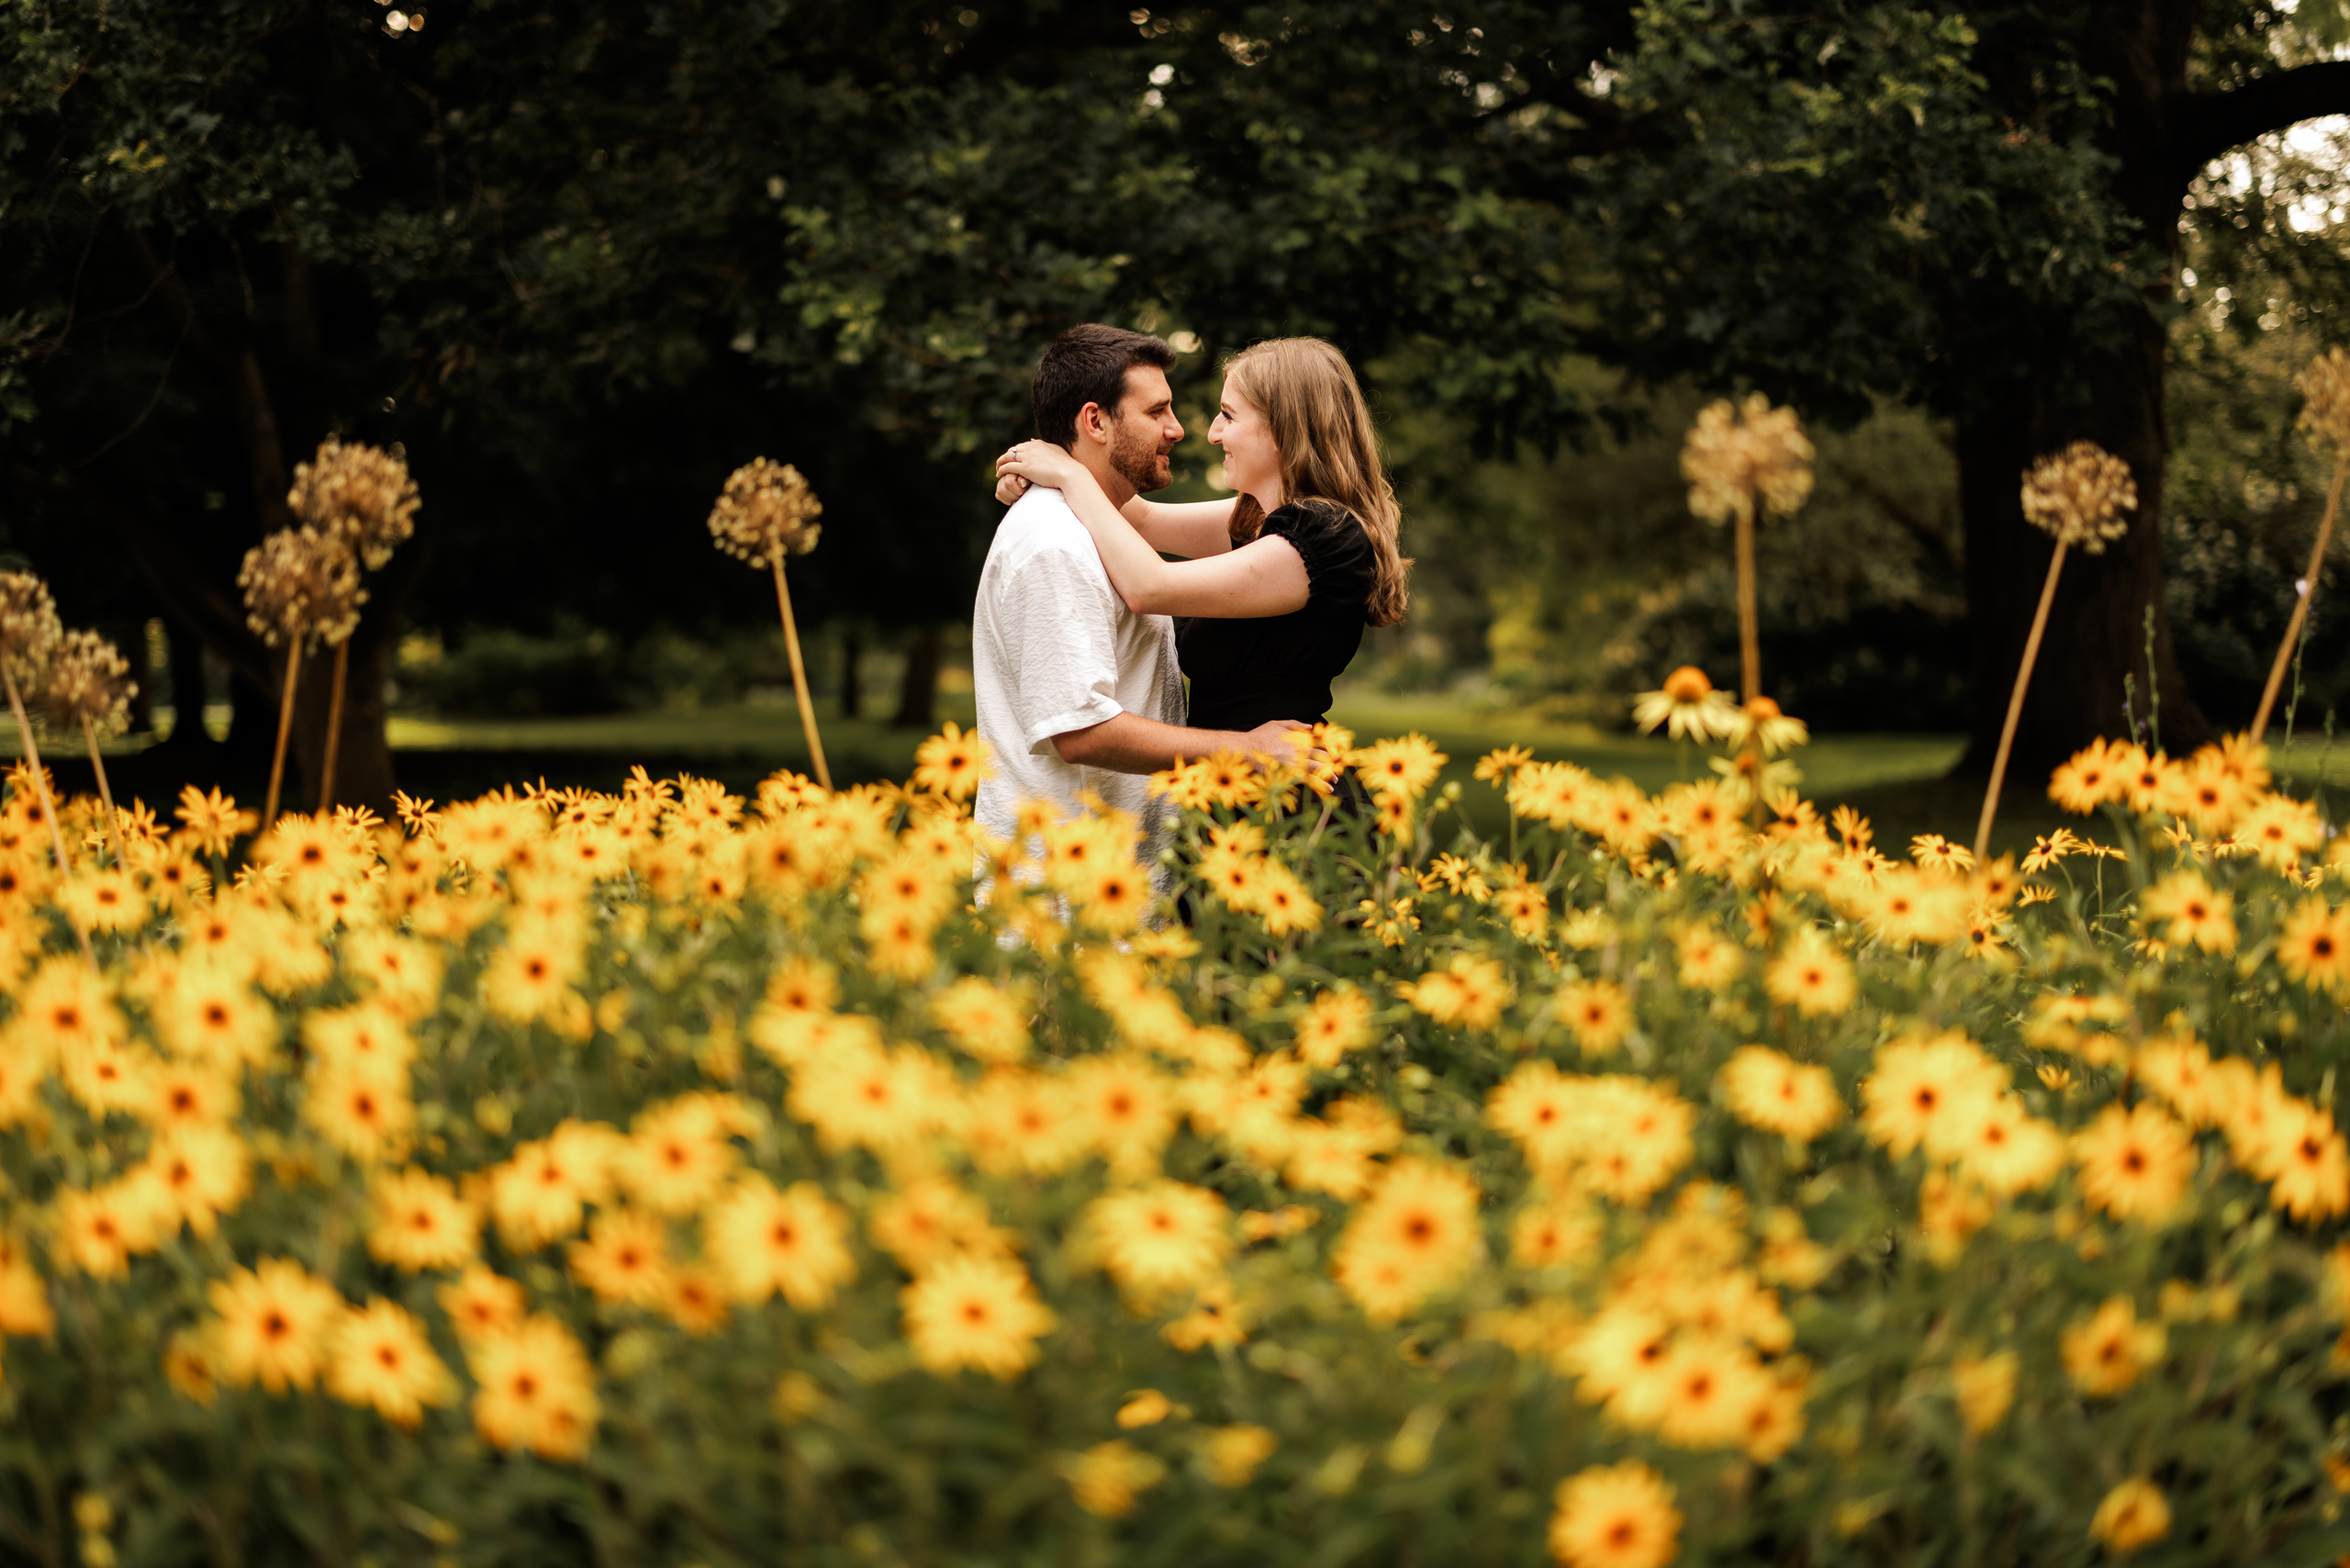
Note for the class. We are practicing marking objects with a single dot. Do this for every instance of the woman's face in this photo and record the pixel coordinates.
(1252, 464)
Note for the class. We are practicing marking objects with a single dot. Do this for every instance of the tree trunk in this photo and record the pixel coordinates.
(918, 694)
(2094, 677)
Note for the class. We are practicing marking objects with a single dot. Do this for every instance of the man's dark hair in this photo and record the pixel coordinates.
(1089, 364)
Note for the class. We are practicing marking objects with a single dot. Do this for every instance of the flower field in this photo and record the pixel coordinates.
(673, 1177)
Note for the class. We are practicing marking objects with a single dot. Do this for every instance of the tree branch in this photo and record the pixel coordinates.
(2208, 124)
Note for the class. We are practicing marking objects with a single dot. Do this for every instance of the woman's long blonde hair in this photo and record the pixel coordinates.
(1322, 428)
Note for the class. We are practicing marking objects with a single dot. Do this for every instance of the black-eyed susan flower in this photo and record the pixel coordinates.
(976, 1313)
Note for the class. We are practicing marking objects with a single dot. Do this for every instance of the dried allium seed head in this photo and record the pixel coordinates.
(2325, 400)
(1736, 454)
(29, 624)
(360, 494)
(88, 679)
(300, 583)
(766, 512)
(2078, 495)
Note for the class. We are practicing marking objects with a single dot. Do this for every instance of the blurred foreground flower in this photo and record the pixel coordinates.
(767, 512)
(1689, 708)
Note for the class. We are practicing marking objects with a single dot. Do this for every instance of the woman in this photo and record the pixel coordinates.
(1277, 584)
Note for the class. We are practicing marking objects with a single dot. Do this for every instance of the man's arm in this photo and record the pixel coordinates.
(1132, 744)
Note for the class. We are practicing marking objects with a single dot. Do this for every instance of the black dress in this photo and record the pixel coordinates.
(1245, 673)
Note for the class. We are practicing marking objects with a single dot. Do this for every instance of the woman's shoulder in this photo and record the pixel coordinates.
(1324, 523)
(1330, 540)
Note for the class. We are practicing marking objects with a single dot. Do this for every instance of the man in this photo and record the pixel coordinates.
(1076, 692)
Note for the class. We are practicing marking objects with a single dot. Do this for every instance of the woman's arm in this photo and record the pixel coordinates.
(1189, 529)
(1262, 577)
(1193, 529)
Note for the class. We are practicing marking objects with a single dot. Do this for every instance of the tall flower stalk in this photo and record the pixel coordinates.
(301, 586)
(89, 687)
(2076, 495)
(2325, 418)
(29, 634)
(1740, 459)
(362, 497)
(767, 513)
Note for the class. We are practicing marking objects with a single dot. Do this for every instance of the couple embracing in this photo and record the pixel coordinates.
(1076, 662)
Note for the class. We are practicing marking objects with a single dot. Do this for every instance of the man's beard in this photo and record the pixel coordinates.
(1139, 462)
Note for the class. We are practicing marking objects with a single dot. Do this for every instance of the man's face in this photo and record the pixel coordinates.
(1145, 430)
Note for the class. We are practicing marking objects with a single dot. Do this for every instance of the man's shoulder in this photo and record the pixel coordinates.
(1040, 528)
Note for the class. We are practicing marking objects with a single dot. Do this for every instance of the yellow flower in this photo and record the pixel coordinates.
(951, 762)
(974, 1312)
(625, 1257)
(1688, 706)
(536, 1389)
(988, 1020)
(420, 1222)
(64, 1012)
(1501, 764)
(381, 1358)
(1400, 768)
(1123, 1109)
(2106, 1352)
(1467, 993)
(1811, 976)
(25, 1310)
(2135, 1164)
(1233, 1454)
(480, 1303)
(1416, 1234)
(1985, 1386)
(202, 1171)
(1334, 1023)
(1709, 960)
(1615, 1516)
(1596, 1011)
(2004, 1150)
(1929, 1089)
(2312, 1161)
(677, 1155)
(2280, 830)
(276, 1322)
(1551, 1233)
(1769, 1091)
(2190, 912)
(1106, 1477)
(1215, 1321)
(1022, 1123)
(536, 1196)
(929, 1218)
(2313, 945)
(2132, 1514)
(1147, 1407)
(188, 1367)
(1160, 1239)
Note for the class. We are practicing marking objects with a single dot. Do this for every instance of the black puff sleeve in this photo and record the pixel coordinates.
(1341, 568)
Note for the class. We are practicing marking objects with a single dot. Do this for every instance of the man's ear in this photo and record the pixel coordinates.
(1092, 424)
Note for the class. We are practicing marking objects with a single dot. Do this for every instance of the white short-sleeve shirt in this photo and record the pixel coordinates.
(1054, 649)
